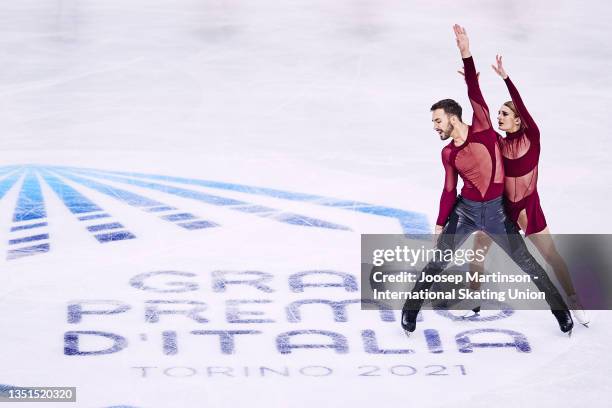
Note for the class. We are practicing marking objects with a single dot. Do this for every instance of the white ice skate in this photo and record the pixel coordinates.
(578, 311)
(468, 308)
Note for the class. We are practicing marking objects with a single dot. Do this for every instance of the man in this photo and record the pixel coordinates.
(474, 155)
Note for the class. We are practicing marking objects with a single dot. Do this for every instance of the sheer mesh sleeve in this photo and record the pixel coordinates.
(481, 119)
(531, 129)
(449, 193)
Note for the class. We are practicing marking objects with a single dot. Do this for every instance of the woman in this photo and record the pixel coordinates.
(521, 153)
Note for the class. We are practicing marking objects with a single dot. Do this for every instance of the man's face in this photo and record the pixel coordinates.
(442, 123)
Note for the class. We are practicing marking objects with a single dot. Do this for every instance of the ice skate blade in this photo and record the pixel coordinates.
(407, 333)
(586, 324)
(469, 315)
(569, 333)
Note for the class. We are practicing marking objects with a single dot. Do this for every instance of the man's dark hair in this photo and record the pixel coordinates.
(449, 106)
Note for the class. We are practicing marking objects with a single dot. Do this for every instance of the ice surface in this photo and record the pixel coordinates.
(329, 99)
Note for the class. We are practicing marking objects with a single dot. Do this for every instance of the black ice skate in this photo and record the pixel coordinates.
(409, 320)
(564, 318)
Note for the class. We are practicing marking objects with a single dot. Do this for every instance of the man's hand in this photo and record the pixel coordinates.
(462, 72)
(499, 67)
(437, 232)
(463, 42)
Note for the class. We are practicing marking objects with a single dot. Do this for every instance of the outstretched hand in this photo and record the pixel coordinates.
(499, 67)
(463, 42)
(462, 72)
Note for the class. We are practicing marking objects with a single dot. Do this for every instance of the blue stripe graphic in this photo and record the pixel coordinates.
(411, 222)
(29, 226)
(179, 217)
(114, 236)
(27, 251)
(137, 200)
(196, 225)
(160, 209)
(8, 169)
(79, 204)
(93, 217)
(30, 216)
(133, 199)
(30, 204)
(8, 182)
(102, 227)
(230, 203)
(30, 207)
(31, 238)
(72, 199)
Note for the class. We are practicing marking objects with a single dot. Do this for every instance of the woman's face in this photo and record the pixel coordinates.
(507, 120)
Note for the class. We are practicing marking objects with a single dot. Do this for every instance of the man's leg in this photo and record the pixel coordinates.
(482, 244)
(507, 236)
(461, 224)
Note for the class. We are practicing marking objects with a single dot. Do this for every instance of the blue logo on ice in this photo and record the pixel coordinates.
(29, 233)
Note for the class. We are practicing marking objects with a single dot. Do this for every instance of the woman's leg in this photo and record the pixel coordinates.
(546, 246)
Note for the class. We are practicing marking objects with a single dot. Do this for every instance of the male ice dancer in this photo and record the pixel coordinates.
(475, 155)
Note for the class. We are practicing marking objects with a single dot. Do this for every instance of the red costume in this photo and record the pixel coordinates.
(521, 151)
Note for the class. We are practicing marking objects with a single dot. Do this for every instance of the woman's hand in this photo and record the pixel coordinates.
(499, 67)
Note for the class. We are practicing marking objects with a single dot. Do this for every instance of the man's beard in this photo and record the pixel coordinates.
(447, 132)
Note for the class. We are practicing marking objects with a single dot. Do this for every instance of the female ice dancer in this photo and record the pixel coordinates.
(521, 153)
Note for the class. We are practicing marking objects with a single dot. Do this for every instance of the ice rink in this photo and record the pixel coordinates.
(184, 184)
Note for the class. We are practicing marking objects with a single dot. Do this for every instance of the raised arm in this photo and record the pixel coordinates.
(481, 119)
(449, 192)
(531, 129)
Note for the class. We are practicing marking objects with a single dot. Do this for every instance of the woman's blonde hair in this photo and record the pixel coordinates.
(510, 105)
